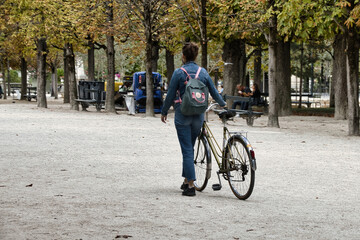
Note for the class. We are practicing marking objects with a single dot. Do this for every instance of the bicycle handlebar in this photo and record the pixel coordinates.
(212, 106)
(223, 113)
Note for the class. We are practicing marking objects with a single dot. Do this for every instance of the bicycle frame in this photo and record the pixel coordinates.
(219, 152)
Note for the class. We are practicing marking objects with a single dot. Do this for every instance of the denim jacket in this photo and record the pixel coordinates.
(177, 83)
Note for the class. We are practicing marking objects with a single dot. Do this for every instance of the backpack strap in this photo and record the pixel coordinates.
(196, 75)
(198, 72)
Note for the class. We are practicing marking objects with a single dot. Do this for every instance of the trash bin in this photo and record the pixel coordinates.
(130, 103)
(17, 94)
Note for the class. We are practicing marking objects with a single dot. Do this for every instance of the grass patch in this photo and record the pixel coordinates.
(325, 112)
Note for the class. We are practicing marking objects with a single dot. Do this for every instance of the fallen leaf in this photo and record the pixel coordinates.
(123, 236)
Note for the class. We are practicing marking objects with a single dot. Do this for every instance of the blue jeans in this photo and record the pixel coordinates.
(188, 128)
(243, 105)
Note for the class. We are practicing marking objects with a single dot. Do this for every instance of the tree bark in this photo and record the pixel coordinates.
(23, 79)
(155, 56)
(66, 78)
(110, 86)
(170, 65)
(339, 77)
(283, 76)
(204, 39)
(257, 68)
(231, 57)
(74, 105)
(352, 65)
(91, 61)
(110, 53)
(8, 77)
(242, 64)
(148, 64)
(4, 82)
(54, 83)
(41, 72)
(273, 120)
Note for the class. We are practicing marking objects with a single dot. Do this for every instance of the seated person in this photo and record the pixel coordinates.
(242, 91)
(255, 94)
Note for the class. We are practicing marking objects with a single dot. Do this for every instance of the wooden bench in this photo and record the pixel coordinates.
(249, 114)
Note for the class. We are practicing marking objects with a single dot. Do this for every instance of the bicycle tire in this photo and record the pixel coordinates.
(202, 163)
(238, 162)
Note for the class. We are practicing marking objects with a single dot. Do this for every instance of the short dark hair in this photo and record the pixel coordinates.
(190, 51)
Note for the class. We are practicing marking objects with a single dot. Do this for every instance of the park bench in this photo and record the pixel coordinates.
(31, 93)
(91, 93)
(250, 115)
(305, 100)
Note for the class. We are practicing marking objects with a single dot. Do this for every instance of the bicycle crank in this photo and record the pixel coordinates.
(217, 186)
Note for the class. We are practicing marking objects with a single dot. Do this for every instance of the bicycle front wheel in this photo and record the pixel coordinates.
(240, 174)
(202, 163)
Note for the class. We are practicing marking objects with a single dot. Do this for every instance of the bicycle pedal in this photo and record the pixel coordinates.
(216, 187)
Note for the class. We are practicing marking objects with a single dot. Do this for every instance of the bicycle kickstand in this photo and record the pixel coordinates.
(217, 186)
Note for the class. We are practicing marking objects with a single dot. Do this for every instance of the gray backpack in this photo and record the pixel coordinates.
(195, 98)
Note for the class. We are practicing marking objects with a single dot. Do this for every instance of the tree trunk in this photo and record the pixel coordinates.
(301, 75)
(273, 120)
(23, 79)
(283, 76)
(352, 64)
(110, 86)
(170, 65)
(74, 105)
(148, 50)
(66, 78)
(155, 56)
(110, 53)
(91, 61)
(204, 39)
(4, 82)
(242, 64)
(8, 77)
(231, 57)
(257, 68)
(339, 77)
(41, 72)
(54, 81)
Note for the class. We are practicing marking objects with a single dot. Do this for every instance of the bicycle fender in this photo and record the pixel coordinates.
(249, 149)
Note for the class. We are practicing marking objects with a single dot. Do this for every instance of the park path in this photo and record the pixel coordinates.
(87, 175)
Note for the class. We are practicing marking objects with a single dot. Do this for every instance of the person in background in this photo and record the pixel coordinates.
(242, 91)
(187, 127)
(255, 94)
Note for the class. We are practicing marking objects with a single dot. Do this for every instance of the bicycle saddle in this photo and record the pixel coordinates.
(226, 114)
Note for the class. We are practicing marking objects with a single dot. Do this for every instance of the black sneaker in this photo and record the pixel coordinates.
(189, 192)
(184, 186)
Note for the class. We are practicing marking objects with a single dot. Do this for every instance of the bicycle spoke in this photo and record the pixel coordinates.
(241, 176)
(201, 164)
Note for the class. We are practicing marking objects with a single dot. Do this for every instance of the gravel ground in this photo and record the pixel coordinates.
(87, 175)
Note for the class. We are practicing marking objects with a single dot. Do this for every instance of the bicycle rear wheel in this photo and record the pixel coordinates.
(202, 162)
(240, 174)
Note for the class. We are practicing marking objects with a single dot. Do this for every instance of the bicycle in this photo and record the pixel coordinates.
(235, 159)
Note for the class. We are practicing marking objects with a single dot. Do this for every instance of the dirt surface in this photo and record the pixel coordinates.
(87, 175)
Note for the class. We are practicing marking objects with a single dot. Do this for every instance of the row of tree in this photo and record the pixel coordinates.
(47, 29)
